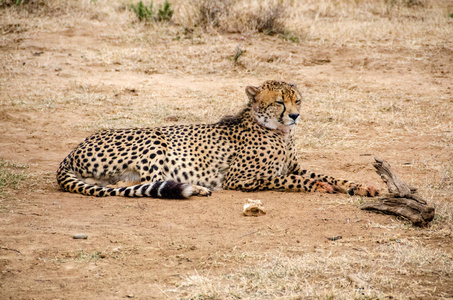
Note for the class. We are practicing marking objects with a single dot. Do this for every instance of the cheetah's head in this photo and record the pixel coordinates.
(275, 105)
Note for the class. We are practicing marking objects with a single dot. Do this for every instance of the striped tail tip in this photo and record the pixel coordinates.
(160, 189)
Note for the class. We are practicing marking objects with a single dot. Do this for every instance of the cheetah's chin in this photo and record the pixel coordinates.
(285, 128)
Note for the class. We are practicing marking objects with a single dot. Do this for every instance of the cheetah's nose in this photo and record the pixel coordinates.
(294, 116)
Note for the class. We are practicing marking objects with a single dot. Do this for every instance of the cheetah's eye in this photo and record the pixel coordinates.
(298, 102)
(279, 102)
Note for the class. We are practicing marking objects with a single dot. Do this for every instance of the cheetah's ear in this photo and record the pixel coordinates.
(251, 92)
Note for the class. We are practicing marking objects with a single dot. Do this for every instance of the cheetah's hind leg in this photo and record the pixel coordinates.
(201, 191)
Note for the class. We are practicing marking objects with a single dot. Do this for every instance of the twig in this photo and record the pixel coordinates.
(9, 249)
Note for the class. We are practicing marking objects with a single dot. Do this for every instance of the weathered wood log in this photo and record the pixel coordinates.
(402, 199)
(394, 183)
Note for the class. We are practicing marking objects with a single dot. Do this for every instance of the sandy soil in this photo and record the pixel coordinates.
(144, 248)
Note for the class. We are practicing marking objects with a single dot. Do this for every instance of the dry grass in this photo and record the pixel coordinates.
(325, 275)
(334, 108)
(391, 23)
(372, 23)
(12, 176)
(340, 23)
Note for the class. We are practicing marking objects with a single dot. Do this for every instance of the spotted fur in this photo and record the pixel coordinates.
(251, 151)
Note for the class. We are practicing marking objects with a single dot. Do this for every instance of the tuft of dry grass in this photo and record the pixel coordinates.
(238, 16)
(12, 175)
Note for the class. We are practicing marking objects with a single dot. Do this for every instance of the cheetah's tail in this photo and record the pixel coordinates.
(168, 189)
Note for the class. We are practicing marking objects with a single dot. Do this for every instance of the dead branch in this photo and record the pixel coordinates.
(402, 199)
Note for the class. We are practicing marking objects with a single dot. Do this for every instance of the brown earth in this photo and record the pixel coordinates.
(57, 89)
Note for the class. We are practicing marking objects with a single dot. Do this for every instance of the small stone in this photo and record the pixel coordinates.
(171, 118)
(80, 236)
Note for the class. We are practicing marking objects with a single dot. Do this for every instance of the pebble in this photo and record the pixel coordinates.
(80, 236)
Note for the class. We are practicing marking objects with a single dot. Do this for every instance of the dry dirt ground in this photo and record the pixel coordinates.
(70, 72)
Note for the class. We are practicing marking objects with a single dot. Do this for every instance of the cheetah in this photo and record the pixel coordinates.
(251, 151)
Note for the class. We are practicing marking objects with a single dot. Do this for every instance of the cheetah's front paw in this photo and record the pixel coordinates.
(324, 187)
(361, 190)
